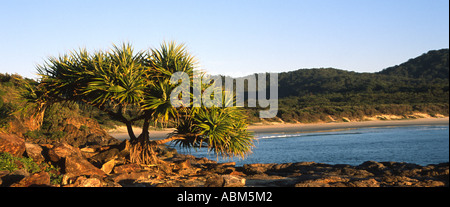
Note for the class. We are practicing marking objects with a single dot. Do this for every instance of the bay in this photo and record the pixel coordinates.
(421, 145)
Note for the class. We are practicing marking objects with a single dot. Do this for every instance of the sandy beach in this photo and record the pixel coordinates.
(121, 133)
(317, 127)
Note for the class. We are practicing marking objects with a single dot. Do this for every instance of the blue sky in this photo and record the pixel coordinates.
(230, 37)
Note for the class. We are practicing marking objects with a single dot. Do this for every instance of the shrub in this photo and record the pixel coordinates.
(11, 164)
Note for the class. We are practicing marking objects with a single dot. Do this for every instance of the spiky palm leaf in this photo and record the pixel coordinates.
(224, 131)
(165, 61)
(120, 78)
(124, 78)
(171, 58)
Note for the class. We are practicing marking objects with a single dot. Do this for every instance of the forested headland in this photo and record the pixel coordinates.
(418, 86)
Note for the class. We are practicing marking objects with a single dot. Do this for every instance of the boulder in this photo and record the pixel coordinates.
(34, 151)
(2, 174)
(88, 182)
(221, 168)
(82, 132)
(252, 169)
(105, 156)
(77, 165)
(129, 179)
(68, 179)
(216, 180)
(377, 168)
(82, 181)
(233, 181)
(88, 149)
(9, 178)
(41, 179)
(108, 166)
(127, 168)
(62, 150)
(12, 144)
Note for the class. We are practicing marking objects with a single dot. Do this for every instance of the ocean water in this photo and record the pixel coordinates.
(421, 145)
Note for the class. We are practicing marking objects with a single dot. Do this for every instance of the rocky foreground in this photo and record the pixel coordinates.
(106, 165)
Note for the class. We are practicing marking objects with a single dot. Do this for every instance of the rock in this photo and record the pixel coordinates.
(233, 181)
(12, 144)
(89, 182)
(68, 179)
(108, 166)
(63, 150)
(105, 156)
(371, 165)
(251, 169)
(82, 181)
(216, 180)
(351, 172)
(77, 165)
(165, 152)
(127, 168)
(222, 168)
(127, 179)
(398, 181)
(184, 164)
(9, 178)
(429, 183)
(88, 149)
(2, 174)
(83, 131)
(184, 167)
(41, 179)
(364, 183)
(324, 182)
(34, 151)
(100, 138)
(204, 160)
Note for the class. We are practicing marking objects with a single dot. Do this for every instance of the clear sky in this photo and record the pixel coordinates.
(228, 36)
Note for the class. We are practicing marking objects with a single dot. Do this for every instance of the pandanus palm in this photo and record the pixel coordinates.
(132, 86)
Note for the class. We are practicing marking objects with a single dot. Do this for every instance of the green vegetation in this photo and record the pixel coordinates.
(11, 164)
(135, 86)
(419, 85)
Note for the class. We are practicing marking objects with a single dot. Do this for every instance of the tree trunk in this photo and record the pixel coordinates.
(142, 149)
(145, 135)
(130, 131)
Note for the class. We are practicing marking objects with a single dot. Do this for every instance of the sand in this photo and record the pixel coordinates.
(121, 134)
(314, 127)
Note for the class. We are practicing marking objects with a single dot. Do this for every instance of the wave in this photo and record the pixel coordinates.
(274, 136)
(349, 132)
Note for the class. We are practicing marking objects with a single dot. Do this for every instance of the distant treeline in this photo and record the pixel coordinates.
(418, 85)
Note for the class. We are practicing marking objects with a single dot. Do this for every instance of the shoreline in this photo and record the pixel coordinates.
(120, 133)
(319, 127)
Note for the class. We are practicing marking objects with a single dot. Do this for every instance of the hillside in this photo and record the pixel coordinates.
(72, 122)
(430, 70)
(420, 85)
(431, 66)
